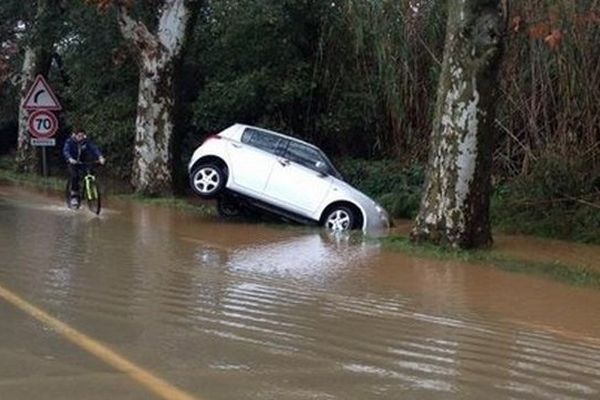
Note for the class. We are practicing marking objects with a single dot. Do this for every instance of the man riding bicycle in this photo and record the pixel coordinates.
(78, 150)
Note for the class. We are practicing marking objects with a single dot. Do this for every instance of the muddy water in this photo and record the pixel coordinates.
(550, 251)
(253, 311)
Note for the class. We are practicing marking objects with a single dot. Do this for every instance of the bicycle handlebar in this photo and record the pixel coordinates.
(88, 163)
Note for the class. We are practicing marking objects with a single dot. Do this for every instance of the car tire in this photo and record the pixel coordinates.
(207, 180)
(228, 207)
(339, 218)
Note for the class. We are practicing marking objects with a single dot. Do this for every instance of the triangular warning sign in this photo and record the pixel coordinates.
(41, 97)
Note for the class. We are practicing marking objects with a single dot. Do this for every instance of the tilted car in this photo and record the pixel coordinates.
(245, 166)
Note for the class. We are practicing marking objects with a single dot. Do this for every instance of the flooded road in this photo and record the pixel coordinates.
(173, 305)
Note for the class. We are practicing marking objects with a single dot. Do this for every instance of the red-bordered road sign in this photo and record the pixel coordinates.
(42, 124)
(41, 97)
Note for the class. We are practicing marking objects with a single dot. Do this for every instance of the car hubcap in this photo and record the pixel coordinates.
(206, 180)
(339, 220)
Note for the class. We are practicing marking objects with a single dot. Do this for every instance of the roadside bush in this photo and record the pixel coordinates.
(8, 136)
(559, 199)
(398, 189)
(8, 118)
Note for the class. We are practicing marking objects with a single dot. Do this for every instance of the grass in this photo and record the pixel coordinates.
(32, 180)
(575, 275)
(8, 174)
(178, 203)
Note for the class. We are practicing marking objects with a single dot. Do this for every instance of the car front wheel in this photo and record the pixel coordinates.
(340, 218)
(207, 180)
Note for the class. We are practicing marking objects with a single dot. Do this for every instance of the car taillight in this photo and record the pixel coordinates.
(210, 137)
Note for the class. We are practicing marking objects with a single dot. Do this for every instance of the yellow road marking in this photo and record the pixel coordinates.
(154, 384)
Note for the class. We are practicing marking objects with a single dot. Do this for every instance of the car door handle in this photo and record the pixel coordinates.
(283, 162)
(237, 146)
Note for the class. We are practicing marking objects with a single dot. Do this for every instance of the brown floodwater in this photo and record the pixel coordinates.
(241, 310)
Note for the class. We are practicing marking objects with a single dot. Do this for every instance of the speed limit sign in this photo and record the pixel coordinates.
(42, 124)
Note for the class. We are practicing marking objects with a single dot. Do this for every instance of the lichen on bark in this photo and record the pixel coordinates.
(455, 205)
(157, 54)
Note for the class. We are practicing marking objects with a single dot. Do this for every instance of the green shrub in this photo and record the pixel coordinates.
(557, 199)
(398, 189)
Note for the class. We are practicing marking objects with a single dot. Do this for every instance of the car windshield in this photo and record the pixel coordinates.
(309, 156)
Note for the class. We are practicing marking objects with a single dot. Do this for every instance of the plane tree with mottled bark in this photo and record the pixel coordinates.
(455, 205)
(43, 32)
(157, 52)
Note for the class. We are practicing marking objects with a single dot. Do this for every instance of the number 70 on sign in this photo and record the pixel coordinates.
(42, 124)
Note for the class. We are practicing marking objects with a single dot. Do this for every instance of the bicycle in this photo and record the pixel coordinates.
(88, 190)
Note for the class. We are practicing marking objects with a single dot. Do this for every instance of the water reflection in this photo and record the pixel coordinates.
(319, 256)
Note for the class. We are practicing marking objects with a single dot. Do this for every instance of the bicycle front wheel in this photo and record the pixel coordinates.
(93, 198)
(69, 199)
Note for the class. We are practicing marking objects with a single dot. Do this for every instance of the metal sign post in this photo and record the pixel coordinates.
(44, 163)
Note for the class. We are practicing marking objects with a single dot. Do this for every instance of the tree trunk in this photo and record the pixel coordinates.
(455, 205)
(37, 60)
(152, 172)
(157, 54)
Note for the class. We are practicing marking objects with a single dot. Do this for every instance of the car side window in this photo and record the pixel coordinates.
(262, 140)
(303, 155)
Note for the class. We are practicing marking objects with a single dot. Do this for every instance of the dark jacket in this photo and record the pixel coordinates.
(80, 151)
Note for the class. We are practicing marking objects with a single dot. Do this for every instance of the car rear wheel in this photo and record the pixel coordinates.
(339, 218)
(207, 180)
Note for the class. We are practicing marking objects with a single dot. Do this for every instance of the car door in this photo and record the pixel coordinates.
(294, 183)
(252, 159)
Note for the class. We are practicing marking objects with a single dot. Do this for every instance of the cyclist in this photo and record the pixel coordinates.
(78, 149)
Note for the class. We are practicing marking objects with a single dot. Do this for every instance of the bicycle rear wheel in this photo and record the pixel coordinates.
(93, 198)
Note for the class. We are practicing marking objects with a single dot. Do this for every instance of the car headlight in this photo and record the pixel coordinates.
(382, 213)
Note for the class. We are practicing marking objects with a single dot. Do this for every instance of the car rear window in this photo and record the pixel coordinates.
(262, 140)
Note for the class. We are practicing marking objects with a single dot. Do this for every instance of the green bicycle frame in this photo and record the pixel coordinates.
(89, 187)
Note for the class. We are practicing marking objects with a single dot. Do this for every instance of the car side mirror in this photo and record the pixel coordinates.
(321, 168)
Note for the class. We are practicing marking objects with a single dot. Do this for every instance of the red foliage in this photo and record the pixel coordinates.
(103, 5)
(516, 23)
(553, 39)
(586, 20)
(539, 31)
(549, 28)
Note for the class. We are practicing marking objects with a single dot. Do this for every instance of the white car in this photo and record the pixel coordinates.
(245, 166)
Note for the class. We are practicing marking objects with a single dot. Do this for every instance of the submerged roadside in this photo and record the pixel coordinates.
(574, 263)
(113, 189)
(550, 258)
